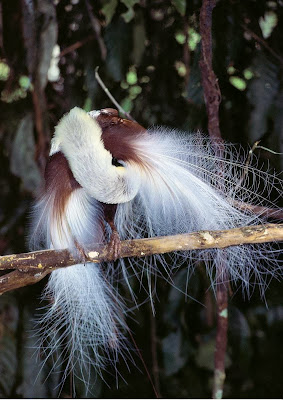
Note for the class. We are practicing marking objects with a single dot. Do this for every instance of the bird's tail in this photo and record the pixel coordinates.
(83, 323)
(82, 326)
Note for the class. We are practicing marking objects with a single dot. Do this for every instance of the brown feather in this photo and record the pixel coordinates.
(59, 183)
(118, 135)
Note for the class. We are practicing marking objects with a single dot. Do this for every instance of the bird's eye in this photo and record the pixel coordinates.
(116, 163)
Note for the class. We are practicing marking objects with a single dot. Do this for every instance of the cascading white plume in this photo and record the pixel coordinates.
(165, 183)
(186, 188)
(82, 324)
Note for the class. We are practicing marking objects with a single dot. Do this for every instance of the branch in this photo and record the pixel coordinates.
(32, 267)
(263, 43)
(76, 45)
(112, 98)
(212, 97)
(276, 213)
(212, 94)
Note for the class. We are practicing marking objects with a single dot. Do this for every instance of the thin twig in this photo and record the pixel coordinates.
(76, 45)
(276, 213)
(153, 341)
(212, 96)
(114, 101)
(263, 43)
(32, 267)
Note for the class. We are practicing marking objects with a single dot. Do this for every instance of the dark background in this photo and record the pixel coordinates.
(148, 53)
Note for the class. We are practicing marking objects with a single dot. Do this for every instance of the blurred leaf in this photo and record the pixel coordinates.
(87, 104)
(22, 161)
(194, 89)
(48, 38)
(131, 77)
(205, 354)
(194, 39)
(177, 299)
(29, 35)
(4, 71)
(180, 6)
(127, 104)
(139, 38)
(8, 344)
(24, 82)
(248, 74)
(180, 37)
(240, 334)
(261, 93)
(175, 354)
(181, 68)
(275, 315)
(268, 23)
(238, 323)
(129, 14)
(109, 9)
(238, 82)
(118, 42)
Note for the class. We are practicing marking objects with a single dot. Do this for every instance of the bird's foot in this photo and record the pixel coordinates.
(114, 245)
(82, 254)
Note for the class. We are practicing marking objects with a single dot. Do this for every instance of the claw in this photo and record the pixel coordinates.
(114, 245)
(82, 253)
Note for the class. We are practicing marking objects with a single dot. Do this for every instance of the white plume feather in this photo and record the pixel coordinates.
(85, 317)
(176, 186)
(186, 188)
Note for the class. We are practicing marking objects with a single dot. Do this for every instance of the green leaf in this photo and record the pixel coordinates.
(205, 355)
(24, 82)
(238, 83)
(194, 39)
(261, 93)
(268, 23)
(175, 355)
(194, 89)
(248, 74)
(127, 104)
(22, 162)
(109, 9)
(132, 77)
(87, 104)
(47, 41)
(180, 37)
(180, 6)
(118, 43)
(139, 40)
(4, 71)
(128, 15)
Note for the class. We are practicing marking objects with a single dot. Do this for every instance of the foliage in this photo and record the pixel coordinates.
(148, 53)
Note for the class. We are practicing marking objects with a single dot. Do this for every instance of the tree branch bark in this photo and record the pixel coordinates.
(29, 268)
